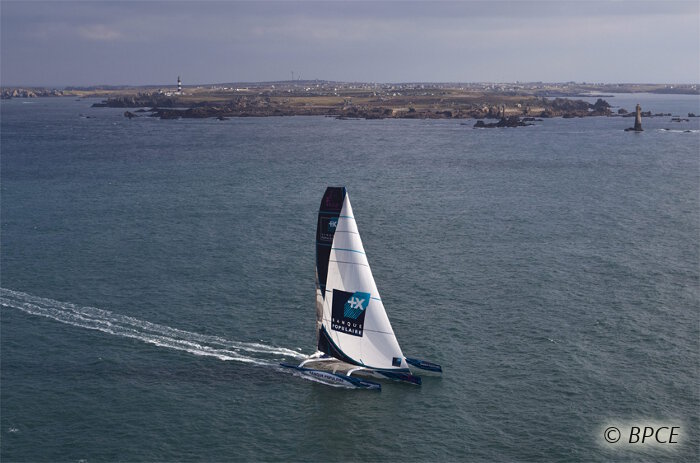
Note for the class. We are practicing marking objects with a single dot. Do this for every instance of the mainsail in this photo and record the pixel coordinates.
(351, 321)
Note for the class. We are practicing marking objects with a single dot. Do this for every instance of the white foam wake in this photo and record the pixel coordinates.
(679, 130)
(129, 327)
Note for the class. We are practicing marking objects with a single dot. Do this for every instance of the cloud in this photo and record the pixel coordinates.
(380, 40)
(98, 32)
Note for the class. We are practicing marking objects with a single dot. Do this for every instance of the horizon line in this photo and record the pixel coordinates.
(289, 81)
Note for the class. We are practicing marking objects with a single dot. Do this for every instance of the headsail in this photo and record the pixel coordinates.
(352, 323)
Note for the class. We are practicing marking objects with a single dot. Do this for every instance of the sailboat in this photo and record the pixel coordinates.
(355, 339)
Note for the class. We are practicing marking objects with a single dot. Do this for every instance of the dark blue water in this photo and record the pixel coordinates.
(155, 272)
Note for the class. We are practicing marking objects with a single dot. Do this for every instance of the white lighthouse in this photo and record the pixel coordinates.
(179, 85)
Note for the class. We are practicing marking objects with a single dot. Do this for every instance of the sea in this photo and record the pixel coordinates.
(154, 273)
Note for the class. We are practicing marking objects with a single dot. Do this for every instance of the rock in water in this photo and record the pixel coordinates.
(511, 121)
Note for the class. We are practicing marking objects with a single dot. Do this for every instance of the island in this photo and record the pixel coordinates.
(352, 101)
(513, 105)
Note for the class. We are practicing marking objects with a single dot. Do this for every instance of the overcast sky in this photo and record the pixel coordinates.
(60, 43)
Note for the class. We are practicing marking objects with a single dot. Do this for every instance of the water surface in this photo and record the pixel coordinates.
(155, 272)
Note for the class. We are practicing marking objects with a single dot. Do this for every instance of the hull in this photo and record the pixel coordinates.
(335, 378)
(424, 365)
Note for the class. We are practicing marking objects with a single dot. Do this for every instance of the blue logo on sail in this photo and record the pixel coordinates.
(357, 304)
(348, 312)
(332, 223)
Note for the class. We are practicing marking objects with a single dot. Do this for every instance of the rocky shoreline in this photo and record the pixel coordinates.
(6, 94)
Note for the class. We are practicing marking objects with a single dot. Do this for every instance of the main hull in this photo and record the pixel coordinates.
(337, 379)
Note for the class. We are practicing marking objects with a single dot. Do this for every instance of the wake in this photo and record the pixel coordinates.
(129, 327)
(679, 130)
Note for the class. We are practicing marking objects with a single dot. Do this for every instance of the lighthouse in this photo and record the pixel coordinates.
(179, 85)
(637, 121)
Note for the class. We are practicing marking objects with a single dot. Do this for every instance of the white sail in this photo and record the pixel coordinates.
(356, 322)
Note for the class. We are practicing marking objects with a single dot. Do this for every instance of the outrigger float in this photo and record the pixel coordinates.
(355, 338)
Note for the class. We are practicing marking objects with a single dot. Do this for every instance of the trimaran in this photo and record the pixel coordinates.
(354, 334)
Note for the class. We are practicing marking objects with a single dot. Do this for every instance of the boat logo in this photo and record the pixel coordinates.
(326, 228)
(356, 305)
(348, 314)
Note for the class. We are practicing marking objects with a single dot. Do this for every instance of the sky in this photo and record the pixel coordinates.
(91, 42)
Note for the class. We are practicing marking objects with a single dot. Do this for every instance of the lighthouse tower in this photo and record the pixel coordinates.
(637, 121)
(179, 85)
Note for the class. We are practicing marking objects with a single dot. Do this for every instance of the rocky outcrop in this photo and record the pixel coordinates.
(141, 100)
(600, 107)
(8, 93)
(512, 121)
(563, 107)
(570, 106)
